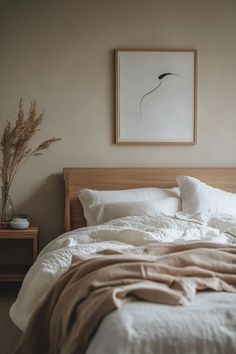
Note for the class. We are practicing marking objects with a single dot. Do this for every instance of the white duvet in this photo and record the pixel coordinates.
(161, 325)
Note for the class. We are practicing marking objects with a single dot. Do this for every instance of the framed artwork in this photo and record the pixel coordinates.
(156, 96)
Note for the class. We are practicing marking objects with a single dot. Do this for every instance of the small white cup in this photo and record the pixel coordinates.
(17, 223)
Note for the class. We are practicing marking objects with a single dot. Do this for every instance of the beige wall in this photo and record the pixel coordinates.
(61, 54)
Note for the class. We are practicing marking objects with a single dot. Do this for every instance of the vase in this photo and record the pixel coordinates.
(6, 208)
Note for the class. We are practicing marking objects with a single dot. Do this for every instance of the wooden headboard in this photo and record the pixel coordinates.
(124, 178)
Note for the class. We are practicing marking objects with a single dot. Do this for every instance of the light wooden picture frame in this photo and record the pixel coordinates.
(156, 96)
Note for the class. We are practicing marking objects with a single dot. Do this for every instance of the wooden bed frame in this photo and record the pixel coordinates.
(124, 178)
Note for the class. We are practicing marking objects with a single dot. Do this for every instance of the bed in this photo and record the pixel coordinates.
(206, 324)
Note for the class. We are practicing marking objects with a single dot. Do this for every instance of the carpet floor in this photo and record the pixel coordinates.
(9, 333)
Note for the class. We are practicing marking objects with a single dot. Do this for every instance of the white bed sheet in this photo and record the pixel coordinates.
(207, 325)
(56, 258)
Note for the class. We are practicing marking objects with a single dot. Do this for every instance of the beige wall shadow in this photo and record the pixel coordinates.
(45, 207)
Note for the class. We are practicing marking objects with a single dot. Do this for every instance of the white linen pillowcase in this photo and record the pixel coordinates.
(198, 197)
(108, 211)
(89, 198)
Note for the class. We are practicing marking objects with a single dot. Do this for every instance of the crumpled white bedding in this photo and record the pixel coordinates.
(57, 256)
(207, 325)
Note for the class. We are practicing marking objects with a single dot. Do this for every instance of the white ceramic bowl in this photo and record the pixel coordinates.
(18, 223)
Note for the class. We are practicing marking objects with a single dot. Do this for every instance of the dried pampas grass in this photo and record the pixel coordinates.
(14, 144)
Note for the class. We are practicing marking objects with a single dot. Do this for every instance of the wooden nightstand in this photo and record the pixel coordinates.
(12, 271)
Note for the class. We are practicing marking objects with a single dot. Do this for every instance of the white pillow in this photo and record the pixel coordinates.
(89, 198)
(198, 197)
(109, 211)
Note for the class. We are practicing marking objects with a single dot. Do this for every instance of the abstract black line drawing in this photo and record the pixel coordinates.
(155, 96)
(160, 77)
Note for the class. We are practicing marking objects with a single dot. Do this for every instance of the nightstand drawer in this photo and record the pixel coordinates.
(18, 250)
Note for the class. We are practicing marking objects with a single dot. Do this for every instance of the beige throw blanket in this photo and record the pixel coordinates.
(93, 287)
